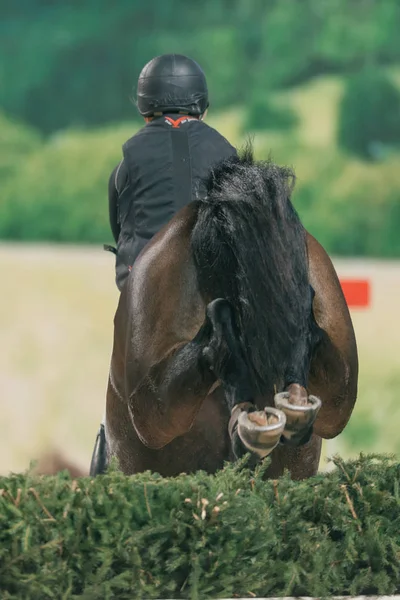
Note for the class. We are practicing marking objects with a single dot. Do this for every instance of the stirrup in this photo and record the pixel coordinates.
(98, 464)
(109, 248)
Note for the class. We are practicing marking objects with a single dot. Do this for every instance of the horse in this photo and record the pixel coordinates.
(231, 336)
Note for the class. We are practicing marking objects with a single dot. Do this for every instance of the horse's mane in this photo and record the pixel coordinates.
(242, 175)
(250, 248)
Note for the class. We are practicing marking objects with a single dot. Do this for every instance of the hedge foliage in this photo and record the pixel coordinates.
(201, 536)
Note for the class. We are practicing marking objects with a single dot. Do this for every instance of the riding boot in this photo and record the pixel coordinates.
(98, 463)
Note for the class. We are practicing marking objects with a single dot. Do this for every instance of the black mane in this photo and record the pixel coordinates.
(250, 248)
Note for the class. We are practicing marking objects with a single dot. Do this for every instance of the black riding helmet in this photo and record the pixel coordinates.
(172, 83)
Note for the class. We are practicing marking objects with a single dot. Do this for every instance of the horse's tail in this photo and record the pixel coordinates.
(249, 247)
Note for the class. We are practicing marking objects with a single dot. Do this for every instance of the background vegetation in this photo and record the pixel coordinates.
(316, 81)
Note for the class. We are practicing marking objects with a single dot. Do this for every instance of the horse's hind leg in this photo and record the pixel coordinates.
(250, 429)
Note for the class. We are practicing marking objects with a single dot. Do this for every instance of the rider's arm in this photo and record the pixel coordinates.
(113, 205)
(116, 184)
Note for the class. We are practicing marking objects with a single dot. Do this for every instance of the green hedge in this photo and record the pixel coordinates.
(202, 536)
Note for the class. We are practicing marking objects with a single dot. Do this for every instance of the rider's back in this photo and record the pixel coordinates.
(166, 163)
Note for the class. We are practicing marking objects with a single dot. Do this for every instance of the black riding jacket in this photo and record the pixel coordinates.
(162, 170)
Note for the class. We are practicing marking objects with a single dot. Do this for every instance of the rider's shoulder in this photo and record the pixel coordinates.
(215, 136)
(135, 137)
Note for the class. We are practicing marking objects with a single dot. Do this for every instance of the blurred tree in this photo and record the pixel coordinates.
(74, 63)
(369, 115)
(263, 114)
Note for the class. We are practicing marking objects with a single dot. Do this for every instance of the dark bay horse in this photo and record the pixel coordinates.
(232, 334)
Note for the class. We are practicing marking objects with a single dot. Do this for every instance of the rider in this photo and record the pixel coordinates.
(164, 164)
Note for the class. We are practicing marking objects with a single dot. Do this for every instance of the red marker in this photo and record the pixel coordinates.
(357, 292)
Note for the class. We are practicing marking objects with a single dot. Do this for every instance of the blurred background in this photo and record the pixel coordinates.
(316, 82)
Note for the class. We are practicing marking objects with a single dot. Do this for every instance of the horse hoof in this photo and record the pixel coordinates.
(299, 417)
(260, 431)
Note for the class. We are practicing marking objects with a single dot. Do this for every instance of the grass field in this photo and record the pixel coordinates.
(56, 314)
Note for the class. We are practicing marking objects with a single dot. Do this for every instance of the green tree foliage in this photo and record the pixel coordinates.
(369, 115)
(202, 536)
(263, 114)
(56, 189)
(362, 221)
(17, 142)
(67, 75)
(59, 191)
(71, 64)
